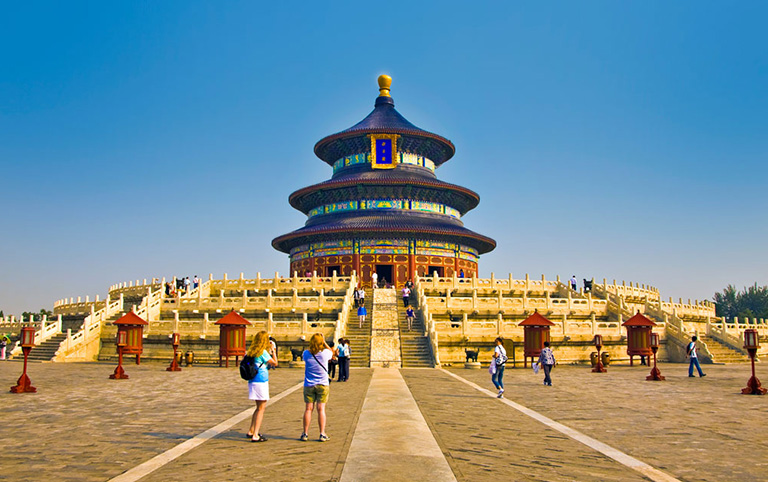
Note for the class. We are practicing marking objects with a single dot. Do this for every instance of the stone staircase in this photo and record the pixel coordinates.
(722, 353)
(46, 350)
(360, 338)
(414, 346)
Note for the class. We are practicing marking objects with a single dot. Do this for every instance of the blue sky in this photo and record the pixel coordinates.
(610, 139)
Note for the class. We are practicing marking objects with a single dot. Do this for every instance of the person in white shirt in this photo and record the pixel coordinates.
(500, 359)
(374, 280)
(574, 283)
(195, 282)
(691, 352)
(406, 296)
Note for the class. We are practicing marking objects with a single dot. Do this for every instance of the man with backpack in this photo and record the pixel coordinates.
(691, 352)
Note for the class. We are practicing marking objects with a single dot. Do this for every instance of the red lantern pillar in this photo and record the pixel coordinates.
(174, 364)
(231, 336)
(119, 374)
(655, 373)
(24, 384)
(535, 332)
(599, 368)
(752, 344)
(638, 336)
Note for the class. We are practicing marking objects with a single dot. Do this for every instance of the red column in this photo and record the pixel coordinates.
(411, 266)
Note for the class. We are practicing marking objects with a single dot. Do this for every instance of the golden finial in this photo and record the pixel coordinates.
(385, 82)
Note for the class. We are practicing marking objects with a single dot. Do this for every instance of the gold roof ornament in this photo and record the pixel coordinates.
(385, 82)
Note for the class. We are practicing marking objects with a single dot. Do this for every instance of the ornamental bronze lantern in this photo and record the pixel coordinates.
(535, 332)
(638, 336)
(24, 384)
(599, 368)
(752, 344)
(175, 341)
(121, 341)
(655, 373)
(232, 336)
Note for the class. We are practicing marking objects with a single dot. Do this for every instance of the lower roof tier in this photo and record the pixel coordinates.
(354, 226)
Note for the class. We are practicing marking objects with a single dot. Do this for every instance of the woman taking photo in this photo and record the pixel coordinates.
(258, 386)
(316, 384)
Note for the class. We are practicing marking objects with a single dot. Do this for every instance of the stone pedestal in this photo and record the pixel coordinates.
(296, 364)
(472, 365)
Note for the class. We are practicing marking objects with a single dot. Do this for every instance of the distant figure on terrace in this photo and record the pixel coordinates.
(374, 280)
(587, 286)
(574, 283)
(186, 284)
(195, 282)
(168, 288)
(461, 273)
(4, 340)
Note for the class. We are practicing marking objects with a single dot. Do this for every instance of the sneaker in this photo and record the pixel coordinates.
(501, 393)
(703, 374)
(324, 437)
(304, 437)
(691, 376)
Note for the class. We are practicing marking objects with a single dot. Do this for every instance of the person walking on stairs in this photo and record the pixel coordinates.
(499, 360)
(374, 280)
(693, 355)
(409, 317)
(406, 296)
(361, 314)
(317, 386)
(357, 296)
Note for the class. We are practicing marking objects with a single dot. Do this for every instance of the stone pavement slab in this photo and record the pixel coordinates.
(484, 439)
(81, 426)
(695, 429)
(232, 457)
(392, 441)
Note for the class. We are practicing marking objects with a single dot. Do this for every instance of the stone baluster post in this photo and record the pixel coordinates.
(304, 323)
(464, 325)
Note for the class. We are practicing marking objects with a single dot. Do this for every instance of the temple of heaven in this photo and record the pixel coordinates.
(384, 210)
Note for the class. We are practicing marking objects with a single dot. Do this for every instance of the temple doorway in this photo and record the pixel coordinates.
(385, 273)
(330, 269)
(432, 270)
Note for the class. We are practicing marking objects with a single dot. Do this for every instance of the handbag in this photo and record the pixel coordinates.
(492, 369)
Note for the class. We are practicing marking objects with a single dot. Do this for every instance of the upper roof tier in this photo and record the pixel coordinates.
(384, 120)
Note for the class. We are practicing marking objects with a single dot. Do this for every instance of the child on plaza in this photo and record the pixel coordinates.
(499, 360)
(547, 361)
(258, 388)
(317, 386)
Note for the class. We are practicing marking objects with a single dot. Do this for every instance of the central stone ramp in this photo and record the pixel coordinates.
(392, 440)
(385, 330)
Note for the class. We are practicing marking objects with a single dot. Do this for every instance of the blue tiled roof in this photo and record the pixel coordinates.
(384, 119)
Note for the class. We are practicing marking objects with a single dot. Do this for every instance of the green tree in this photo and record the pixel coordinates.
(751, 302)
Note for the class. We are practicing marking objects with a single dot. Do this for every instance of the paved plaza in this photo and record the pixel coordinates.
(385, 424)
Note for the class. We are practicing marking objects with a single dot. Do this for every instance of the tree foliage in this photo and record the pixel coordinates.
(37, 315)
(751, 302)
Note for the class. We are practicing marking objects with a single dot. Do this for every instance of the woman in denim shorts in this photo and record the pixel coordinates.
(316, 384)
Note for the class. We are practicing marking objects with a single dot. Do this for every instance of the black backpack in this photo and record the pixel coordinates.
(248, 368)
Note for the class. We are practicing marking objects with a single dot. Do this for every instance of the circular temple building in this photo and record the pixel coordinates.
(384, 210)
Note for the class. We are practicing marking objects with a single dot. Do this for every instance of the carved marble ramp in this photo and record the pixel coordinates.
(385, 330)
(392, 441)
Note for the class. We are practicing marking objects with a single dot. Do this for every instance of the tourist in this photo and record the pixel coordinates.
(409, 285)
(587, 286)
(168, 288)
(316, 383)
(361, 313)
(573, 283)
(693, 355)
(409, 317)
(362, 296)
(4, 340)
(500, 360)
(273, 346)
(461, 273)
(343, 359)
(374, 280)
(547, 361)
(258, 386)
(332, 362)
(186, 284)
(195, 282)
(357, 296)
(406, 296)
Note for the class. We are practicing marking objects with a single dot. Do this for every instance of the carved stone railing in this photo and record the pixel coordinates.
(429, 325)
(89, 332)
(45, 331)
(340, 330)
